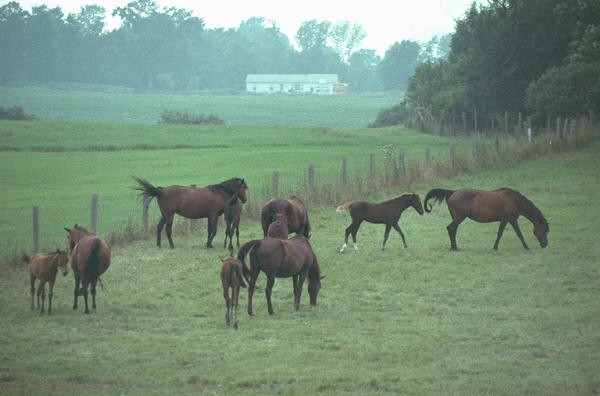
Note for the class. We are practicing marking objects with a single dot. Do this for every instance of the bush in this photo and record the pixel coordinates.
(15, 113)
(178, 117)
(397, 114)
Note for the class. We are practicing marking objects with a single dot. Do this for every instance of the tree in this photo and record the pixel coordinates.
(346, 38)
(399, 64)
(13, 46)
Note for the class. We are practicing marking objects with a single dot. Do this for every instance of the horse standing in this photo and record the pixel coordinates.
(278, 229)
(232, 214)
(291, 210)
(90, 258)
(281, 258)
(193, 203)
(231, 278)
(503, 205)
(387, 213)
(45, 267)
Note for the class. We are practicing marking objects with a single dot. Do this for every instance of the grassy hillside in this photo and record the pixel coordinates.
(421, 320)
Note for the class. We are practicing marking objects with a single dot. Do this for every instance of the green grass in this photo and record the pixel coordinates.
(421, 320)
(133, 108)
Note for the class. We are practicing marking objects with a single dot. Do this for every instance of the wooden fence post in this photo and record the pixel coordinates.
(276, 184)
(94, 214)
(311, 176)
(36, 228)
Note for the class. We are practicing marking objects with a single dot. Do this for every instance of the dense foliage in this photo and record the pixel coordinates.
(537, 57)
(170, 49)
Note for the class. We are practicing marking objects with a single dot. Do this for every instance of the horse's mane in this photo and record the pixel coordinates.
(530, 208)
(230, 186)
(81, 228)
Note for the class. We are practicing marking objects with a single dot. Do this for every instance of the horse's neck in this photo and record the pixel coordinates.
(529, 211)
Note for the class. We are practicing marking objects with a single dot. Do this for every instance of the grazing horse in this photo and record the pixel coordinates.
(281, 258)
(44, 267)
(503, 205)
(231, 278)
(232, 214)
(90, 258)
(192, 202)
(291, 210)
(387, 213)
(278, 229)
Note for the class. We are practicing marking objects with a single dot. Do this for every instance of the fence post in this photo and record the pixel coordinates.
(276, 184)
(36, 228)
(311, 176)
(344, 171)
(145, 212)
(94, 215)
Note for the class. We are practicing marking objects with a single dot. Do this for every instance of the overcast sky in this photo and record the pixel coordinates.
(384, 21)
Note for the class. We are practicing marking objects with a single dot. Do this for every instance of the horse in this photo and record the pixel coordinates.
(291, 210)
(278, 229)
(503, 205)
(281, 258)
(231, 278)
(232, 215)
(45, 267)
(193, 203)
(387, 213)
(90, 258)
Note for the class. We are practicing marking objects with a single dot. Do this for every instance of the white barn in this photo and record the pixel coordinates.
(320, 84)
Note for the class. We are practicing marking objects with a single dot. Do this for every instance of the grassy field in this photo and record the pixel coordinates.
(133, 108)
(421, 320)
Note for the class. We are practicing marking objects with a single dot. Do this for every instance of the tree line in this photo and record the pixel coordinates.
(538, 58)
(170, 49)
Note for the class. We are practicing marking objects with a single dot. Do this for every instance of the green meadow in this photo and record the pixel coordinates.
(421, 320)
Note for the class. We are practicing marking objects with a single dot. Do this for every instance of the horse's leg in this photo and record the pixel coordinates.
(212, 230)
(93, 291)
(500, 232)
(32, 289)
(227, 234)
(388, 227)
(159, 227)
(41, 293)
(452, 227)
(236, 296)
(50, 293)
(300, 283)
(295, 279)
(251, 285)
(346, 233)
(227, 304)
(84, 291)
(237, 234)
(355, 226)
(169, 230)
(268, 290)
(76, 292)
(397, 228)
(515, 226)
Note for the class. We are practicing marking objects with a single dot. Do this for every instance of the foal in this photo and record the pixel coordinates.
(231, 278)
(44, 267)
(278, 229)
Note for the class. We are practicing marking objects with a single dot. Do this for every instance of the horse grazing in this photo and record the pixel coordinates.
(90, 258)
(503, 205)
(278, 229)
(45, 267)
(281, 258)
(232, 214)
(291, 210)
(387, 213)
(231, 278)
(193, 203)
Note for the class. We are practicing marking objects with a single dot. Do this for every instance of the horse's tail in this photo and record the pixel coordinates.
(437, 194)
(236, 276)
(25, 258)
(244, 250)
(147, 189)
(91, 265)
(343, 206)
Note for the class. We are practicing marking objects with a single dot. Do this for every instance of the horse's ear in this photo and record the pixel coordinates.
(322, 276)
(66, 229)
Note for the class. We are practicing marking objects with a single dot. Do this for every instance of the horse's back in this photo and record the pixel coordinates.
(83, 250)
(484, 206)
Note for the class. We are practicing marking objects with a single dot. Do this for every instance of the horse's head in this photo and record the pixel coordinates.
(62, 258)
(541, 230)
(240, 191)
(416, 203)
(314, 282)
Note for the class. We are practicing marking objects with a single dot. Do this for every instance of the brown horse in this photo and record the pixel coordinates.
(387, 213)
(291, 210)
(278, 229)
(503, 205)
(192, 202)
(232, 215)
(90, 258)
(281, 258)
(231, 278)
(44, 267)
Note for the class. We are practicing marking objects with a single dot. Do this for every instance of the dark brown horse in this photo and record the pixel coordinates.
(278, 229)
(503, 205)
(44, 267)
(192, 202)
(387, 213)
(90, 258)
(232, 215)
(231, 278)
(291, 210)
(281, 258)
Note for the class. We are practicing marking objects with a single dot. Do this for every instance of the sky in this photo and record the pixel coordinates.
(384, 21)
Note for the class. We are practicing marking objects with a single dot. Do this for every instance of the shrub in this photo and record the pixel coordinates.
(179, 117)
(15, 113)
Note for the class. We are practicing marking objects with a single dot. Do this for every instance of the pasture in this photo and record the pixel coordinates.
(421, 320)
